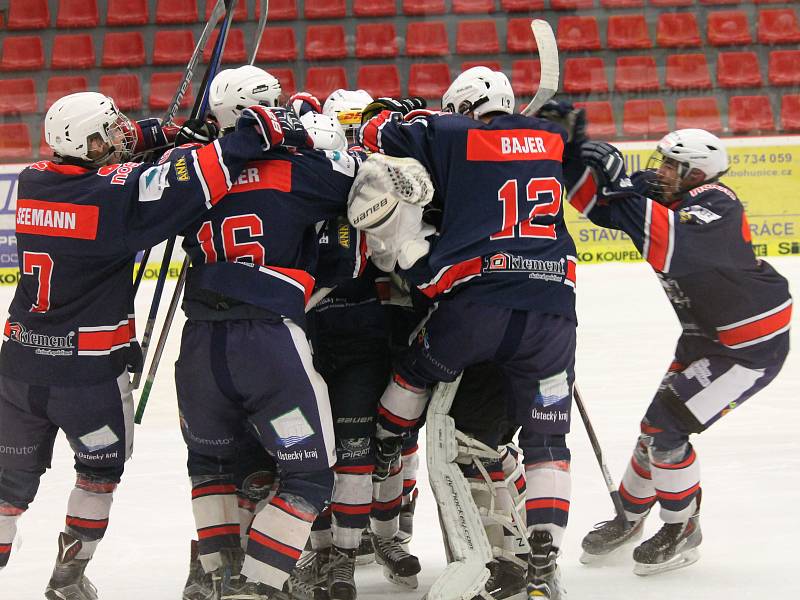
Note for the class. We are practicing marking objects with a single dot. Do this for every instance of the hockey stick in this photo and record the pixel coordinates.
(262, 21)
(598, 452)
(198, 110)
(548, 60)
(188, 75)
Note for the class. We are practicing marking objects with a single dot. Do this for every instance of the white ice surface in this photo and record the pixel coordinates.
(750, 463)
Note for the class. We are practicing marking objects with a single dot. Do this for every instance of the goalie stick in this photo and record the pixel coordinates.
(548, 60)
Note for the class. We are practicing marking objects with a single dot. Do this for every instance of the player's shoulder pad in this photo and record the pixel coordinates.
(708, 203)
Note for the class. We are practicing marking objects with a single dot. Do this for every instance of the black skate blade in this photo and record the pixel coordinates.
(409, 581)
(620, 554)
(684, 559)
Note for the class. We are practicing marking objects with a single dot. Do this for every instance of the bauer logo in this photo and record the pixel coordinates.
(292, 428)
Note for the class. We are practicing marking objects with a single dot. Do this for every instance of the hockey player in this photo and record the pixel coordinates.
(244, 359)
(70, 336)
(734, 310)
(502, 270)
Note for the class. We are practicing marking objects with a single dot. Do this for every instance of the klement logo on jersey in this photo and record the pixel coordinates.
(181, 170)
(513, 144)
(50, 345)
(265, 175)
(57, 219)
(547, 270)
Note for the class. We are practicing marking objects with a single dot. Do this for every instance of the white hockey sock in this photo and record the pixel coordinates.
(9, 515)
(637, 489)
(88, 510)
(549, 486)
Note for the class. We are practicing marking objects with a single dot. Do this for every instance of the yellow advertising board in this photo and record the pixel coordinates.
(764, 173)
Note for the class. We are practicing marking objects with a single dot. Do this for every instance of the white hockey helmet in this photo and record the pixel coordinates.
(681, 153)
(346, 106)
(76, 124)
(233, 90)
(326, 131)
(479, 90)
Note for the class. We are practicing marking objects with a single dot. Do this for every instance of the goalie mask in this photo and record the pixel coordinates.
(233, 90)
(479, 91)
(87, 126)
(346, 106)
(685, 159)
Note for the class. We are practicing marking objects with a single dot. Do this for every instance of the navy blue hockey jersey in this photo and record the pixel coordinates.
(78, 232)
(726, 299)
(503, 240)
(260, 248)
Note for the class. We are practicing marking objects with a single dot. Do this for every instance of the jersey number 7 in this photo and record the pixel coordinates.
(545, 192)
(39, 264)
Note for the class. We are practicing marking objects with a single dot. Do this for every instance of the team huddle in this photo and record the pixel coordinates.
(408, 248)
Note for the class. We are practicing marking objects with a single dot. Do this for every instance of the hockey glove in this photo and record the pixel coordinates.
(608, 165)
(570, 118)
(196, 131)
(403, 106)
(303, 102)
(277, 126)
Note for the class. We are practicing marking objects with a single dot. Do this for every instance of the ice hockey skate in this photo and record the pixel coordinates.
(365, 554)
(399, 566)
(544, 576)
(309, 579)
(341, 574)
(198, 584)
(68, 581)
(674, 546)
(407, 522)
(507, 580)
(608, 539)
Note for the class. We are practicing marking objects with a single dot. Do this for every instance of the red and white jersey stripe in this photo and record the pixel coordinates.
(449, 277)
(583, 196)
(214, 176)
(105, 339)
(659, 236)
(757, 329)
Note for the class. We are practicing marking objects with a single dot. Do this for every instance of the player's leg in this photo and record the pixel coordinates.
(543, 362)
(695, 398)
(410, 458)
(101, 436)
(26, 440)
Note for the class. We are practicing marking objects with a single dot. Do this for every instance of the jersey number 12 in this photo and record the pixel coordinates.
(545, 192)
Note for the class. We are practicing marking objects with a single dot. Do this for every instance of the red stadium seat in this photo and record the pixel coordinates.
(234, 51)
(176, 11)
(77, 13)
(278, 44)
(670, 2)
(280, 10)
(379, 80)
(127, 12)
(621, 3)
(578, 33)
(162, 89)
(240, 14)
(428, 38)
(519, 37)
(636, 74)
(173, 46)
(423, 7)
(15, 141)
(525, 76)
(123, 49)
(790, 112)
(728, 28)
(688, 71)
(374, 8)
(571, 4)
(778, 26)
(463, 7)
(719, 2)
(73, 51)
(286, 77)
(693, 113)
(376, 40)
(477, 37)
(738, 69)
(585, 75)
(17, 96)
(646, 118)
(600, 119)
(489, 64)
(124, 89)
(429, 80)
(628, 31)
(677, 30)
(325, 42)
(58, 87)
(22, 53)
(784, 67)
(521, 5)
(28, 14)
(321, 81)
(750, 114)
(323, 9)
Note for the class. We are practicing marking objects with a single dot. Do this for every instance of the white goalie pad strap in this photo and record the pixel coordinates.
(466, 576)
